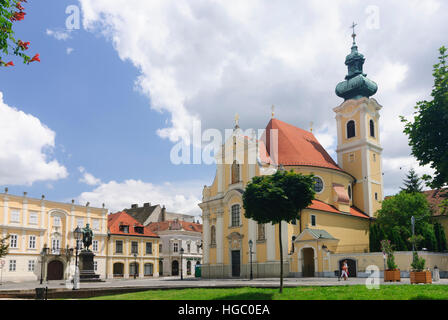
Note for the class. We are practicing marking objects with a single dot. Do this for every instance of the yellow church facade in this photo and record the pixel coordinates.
(348, 193)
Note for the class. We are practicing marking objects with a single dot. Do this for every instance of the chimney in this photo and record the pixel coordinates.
(147, 204)
(134, 206)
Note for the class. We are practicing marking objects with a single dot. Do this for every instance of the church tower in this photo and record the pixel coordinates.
(359, 148)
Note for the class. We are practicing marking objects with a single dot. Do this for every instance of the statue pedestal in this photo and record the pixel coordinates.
(86, 272)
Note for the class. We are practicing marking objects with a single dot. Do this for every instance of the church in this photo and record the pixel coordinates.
(348, 192)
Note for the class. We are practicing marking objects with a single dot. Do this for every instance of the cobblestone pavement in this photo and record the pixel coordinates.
(175, 282)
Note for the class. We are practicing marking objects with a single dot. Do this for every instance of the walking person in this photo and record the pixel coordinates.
(344, 273)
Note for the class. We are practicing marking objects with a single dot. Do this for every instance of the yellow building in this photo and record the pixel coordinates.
(37, 223)
(347, 194)
(132, 250)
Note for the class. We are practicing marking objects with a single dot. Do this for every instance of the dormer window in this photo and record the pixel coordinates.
(124, 228)
(138, 229)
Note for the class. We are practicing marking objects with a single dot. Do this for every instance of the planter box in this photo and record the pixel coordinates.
(421, 277)
(392, 275)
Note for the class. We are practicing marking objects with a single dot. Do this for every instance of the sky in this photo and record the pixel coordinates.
(121, 82)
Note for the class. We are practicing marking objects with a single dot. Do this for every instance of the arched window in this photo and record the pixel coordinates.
(349, 190)
(372, 128)
(236, 215)
(149, 269)
(188, 267)
(261, 232)
(351, 131)
(235, 172)
(213, 235)
(160, 268)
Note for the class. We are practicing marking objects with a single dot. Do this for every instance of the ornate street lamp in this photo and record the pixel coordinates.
(43, 255)
(135, 265)
(251, 243)
(77, 234)
(181, 264)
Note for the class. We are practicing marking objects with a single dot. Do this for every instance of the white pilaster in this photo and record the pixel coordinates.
(253, 236)
(24, 211)
(219, 236)
(206, 236)
(285, 240)
(5, 210)
(220, 173)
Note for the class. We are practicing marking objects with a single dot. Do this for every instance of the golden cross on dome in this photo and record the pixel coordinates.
(237, 119)
(311, 126)
(273, 111)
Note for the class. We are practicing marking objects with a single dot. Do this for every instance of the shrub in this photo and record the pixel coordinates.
(418, 264)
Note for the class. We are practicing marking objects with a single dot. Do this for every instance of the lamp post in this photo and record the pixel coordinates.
(251, 243)
(181, 264)
(43, 254)
(135, 265)
(78, 234)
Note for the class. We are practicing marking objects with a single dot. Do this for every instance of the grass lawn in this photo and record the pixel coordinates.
(388, 292)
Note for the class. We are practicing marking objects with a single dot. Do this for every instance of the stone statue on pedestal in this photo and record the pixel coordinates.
(87, 236)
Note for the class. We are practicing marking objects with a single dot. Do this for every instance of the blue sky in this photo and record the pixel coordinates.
(139, 72)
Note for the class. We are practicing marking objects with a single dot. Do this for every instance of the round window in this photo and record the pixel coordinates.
(318, 184)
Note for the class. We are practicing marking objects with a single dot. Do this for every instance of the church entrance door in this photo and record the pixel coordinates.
(236, 263)
(308, 262)
(55, 270)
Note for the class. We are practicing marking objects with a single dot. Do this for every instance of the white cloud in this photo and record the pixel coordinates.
(58, 34)
(88, 178)
(212, 59)
(69, 50)
(26, 145)
(182, 197)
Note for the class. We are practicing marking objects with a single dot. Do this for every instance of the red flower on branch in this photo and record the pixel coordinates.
(10, 63)
(23, 45)
(18, 16)
(19, 6)
(35, 58)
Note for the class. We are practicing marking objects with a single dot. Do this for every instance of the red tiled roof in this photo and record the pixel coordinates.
(165, 225)
(435, 198)
(297, 147)
(122, 218)
(322, 206)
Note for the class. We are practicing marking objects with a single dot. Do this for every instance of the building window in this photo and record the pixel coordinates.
(95, 225)
(31, 265)
(80, 244)
(32, 242)
(95, 265)
(318, 184)
(118, 246)
(148, 247)
(175, 247)
(188, 267)
(188, 247)
(313, 220)
(213, 235)
(374, 157)
(13, 242)
(15, 216)
(149, 269)
(376, 196)
(351, 131)
(134, 247)
(235, 172)
(236, 215)
(349, 190)
(55, 246)
(12, 265)
(80, 222)
(160, 248)
(57, 221)
(261, 232)
(33, 218)
(95, 245)
(372, 129)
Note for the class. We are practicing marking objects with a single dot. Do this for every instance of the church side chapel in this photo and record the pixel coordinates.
(348, 193)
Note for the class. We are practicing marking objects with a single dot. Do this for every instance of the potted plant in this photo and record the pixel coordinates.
(418, 272)
(392, 273)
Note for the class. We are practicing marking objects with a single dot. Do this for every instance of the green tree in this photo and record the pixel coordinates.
(395, 218)
(412, 183)
(440, 237)
(12, 11)
(4, 246)
(427, 132)
(276, 198)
